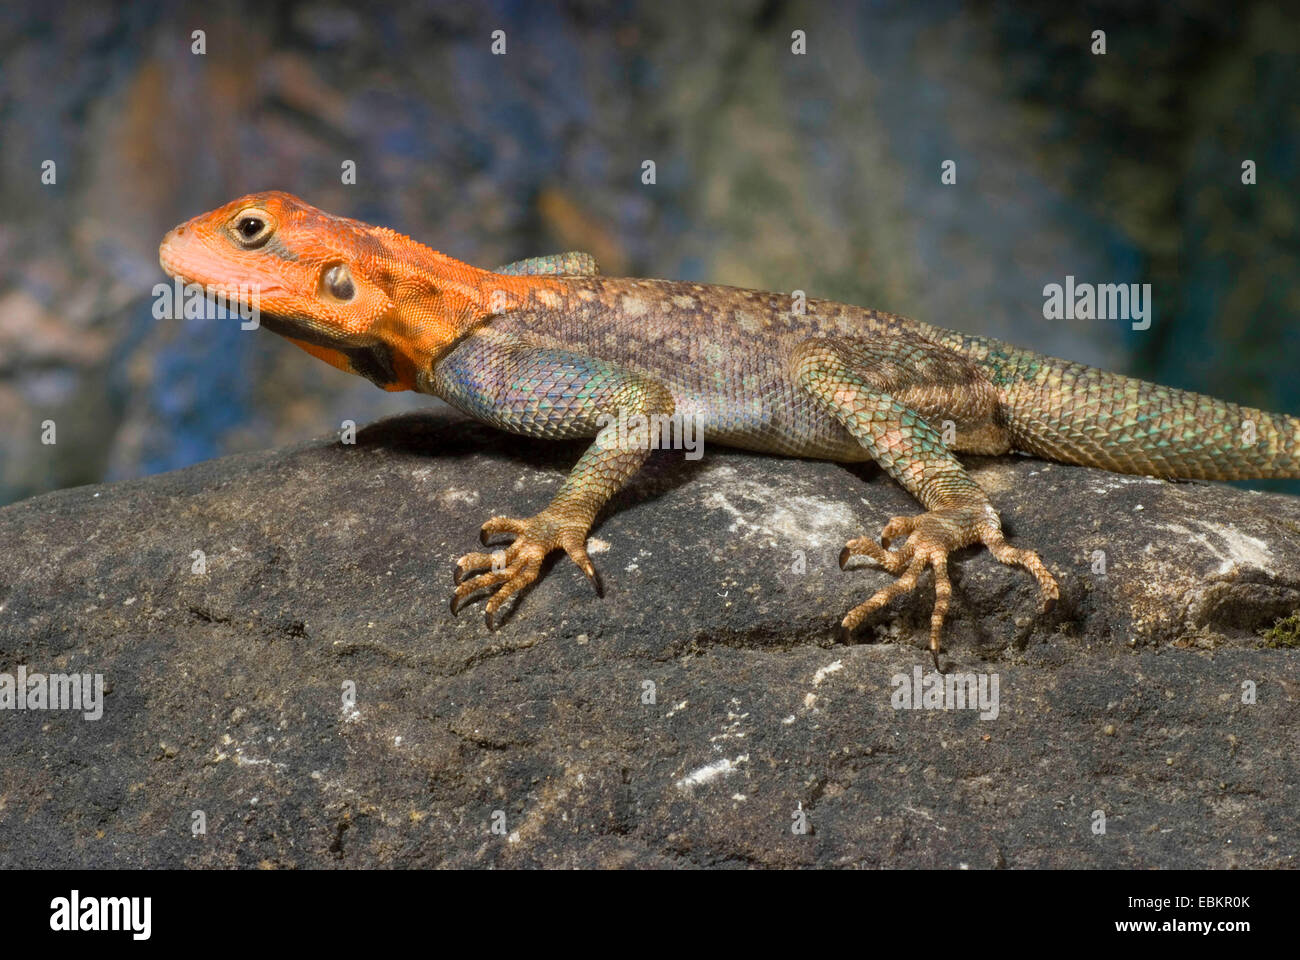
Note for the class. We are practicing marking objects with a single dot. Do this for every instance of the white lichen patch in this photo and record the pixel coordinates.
(710, 772)
(800, 520)
(535, 478)
(823, 672)
(454, 495)
(731, 730)
(1233, 549)
(1118, 481)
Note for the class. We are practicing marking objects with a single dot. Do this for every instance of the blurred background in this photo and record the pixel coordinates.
(818, 171)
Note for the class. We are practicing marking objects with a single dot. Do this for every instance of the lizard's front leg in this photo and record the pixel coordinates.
(885, 393)
(553, 394)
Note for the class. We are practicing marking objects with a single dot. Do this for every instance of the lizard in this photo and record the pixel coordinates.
(549, 347)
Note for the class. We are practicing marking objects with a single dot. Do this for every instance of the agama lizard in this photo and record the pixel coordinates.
(549, 348)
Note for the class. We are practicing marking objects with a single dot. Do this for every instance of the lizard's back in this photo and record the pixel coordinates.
(724, 352)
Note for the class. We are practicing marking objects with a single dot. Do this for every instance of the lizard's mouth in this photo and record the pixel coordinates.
(178, 268)
(183, 257)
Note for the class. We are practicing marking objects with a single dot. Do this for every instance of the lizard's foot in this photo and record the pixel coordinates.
(517, 566)
(930, 538)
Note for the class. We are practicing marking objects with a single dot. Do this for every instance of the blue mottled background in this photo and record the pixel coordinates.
(818, 172)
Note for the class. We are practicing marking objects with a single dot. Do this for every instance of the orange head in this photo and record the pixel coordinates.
(365, 299)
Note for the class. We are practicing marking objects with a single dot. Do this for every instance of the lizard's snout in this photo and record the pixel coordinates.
(181, 250)
(175, 236)
(171, 249)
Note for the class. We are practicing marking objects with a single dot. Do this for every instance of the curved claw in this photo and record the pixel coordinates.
(844, 557)
(577, 552)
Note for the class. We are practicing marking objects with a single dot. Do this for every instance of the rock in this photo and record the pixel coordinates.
(328, 570)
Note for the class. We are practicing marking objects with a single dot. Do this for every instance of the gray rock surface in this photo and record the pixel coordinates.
(329, 566)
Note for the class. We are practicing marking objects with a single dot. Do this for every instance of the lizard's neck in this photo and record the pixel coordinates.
(437, 301)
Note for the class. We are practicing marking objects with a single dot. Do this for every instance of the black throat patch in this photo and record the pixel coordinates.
(374, 362)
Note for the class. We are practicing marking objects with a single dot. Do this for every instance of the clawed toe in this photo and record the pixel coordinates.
(499, 525)
(477, 561)
(866, 547)
(505, 582)
(510, 570)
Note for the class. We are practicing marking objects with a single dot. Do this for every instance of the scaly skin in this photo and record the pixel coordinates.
(545, 347)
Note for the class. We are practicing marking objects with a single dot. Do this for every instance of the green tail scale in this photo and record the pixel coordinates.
(1078, 414)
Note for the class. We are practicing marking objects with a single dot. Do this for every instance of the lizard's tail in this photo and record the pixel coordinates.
(1078, 414)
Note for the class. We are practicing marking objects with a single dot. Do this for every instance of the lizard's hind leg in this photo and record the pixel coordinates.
(887, 393)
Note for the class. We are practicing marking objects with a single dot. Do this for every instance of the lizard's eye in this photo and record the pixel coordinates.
(251, 229)
(337, 282)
